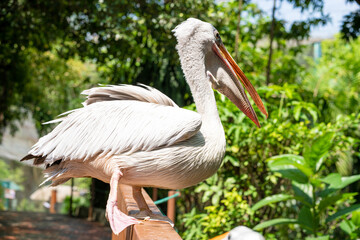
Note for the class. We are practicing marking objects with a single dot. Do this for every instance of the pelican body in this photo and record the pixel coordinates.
(138, 136)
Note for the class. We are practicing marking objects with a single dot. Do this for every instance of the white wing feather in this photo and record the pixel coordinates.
(141, 93)
(114, 127)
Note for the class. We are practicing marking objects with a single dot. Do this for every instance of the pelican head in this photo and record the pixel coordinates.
(200, 43)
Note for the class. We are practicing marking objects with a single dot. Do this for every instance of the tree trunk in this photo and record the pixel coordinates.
(238, 32)
(272, 30)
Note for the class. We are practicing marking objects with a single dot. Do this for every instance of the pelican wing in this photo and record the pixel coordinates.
(141, 93)
(115, 127)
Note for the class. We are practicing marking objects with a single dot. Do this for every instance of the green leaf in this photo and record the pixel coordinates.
(234, 161)
(292, 174)
(336, 181)
(311, 108)
(202, 187)
(343, 212)
(270, 199)
(306, 219)
(315, 153)
(297, 111)
(273, 222)
(347, 226)
(290, 166)
(326, 237)
(330, 200)
(345, 181)
(290, 160)
(215, 199)
(304, 193)
(355, 218)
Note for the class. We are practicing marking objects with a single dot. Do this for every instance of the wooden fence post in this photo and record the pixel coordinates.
(53, 201)
(149, 230)
(171, 206)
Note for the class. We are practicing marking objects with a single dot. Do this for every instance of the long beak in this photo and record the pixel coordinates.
(240, 99)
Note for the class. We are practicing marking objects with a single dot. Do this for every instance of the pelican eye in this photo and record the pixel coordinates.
(217, 37)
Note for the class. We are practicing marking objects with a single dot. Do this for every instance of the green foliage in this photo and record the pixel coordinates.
(270, 200)
(318, 196)
(24, 25)
(77, 202)
(30, 206)
(335, 79)
(274, 222)
(248, 147)
(220, 217)
(352, 226)
(55, 85)
(52, 85)
(245, 166)
(350, 27)
(6, 173)
(80, 183)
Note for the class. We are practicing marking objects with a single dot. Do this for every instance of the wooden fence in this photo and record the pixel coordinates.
(149, 230)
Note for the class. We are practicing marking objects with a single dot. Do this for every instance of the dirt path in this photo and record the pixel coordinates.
(41, 226)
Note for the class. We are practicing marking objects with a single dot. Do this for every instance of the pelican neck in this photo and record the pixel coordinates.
(193, 65)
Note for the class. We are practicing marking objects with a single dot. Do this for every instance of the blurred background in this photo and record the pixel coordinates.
(295, 177)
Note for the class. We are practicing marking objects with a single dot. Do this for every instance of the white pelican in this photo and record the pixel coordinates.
(136, 135)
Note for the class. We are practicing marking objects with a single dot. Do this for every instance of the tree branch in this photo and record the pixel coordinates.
(272, 30)
(237, 36)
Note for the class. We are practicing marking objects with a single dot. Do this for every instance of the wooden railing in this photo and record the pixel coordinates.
(149, 230)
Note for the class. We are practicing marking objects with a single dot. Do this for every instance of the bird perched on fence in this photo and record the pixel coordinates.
(136, 135)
